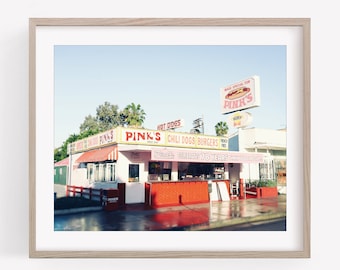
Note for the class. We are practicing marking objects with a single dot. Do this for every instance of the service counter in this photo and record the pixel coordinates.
(172, 193)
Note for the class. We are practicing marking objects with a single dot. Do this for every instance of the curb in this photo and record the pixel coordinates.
(77, 210)
(239, 221)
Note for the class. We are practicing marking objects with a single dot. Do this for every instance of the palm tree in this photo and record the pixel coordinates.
(221, 128)
(134, 115)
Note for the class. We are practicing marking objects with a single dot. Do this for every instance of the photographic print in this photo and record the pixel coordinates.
(151, 125)
(166, 132)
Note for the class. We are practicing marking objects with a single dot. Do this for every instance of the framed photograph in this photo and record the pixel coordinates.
(129, 111)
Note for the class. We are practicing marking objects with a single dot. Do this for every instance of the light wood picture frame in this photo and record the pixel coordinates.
(37, 139)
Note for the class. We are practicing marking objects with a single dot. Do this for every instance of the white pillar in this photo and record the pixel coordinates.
(174, 171)
(226, 171)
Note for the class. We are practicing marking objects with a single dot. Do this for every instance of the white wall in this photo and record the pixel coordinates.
(79, 178)
(267, 136)
(14, 232)
(78, 175)
(246, 139)
(126, 158)
(250, 171)
(135, 191)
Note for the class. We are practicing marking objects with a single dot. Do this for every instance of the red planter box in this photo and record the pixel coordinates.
(267, 192)
(262, 192)
(177, 193)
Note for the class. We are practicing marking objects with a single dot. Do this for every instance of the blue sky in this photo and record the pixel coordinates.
(170, 82)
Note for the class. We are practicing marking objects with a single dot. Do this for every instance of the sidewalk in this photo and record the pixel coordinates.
(186, 217)
(245, 211)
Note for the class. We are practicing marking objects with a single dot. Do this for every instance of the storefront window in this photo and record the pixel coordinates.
(133, 172)
(266, 170)
(187, 171)
(155, 168)
(110, 172)
(280, 169)
(159, 171)
(96, 172)
(100, 172)
(182, 170)
(90, 171)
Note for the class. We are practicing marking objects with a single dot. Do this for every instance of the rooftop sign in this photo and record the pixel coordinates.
(171, 125)
(139, 136)
(171, 139)
(240, 119)
(241, 95)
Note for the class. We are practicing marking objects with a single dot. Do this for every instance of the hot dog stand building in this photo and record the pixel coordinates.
(157, 167)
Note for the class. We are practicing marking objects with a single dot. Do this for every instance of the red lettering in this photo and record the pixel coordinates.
(140, 136)
(129, 135)
(173, 139)
(169, 125)
(188, 140)
(249, 98)
(93, 141)
(161, 127)
(242, 102)
(80, 145)
(235, 104)
(207, 142)
(226, 104)
(149, 136)
(237, 85)
(158, 136)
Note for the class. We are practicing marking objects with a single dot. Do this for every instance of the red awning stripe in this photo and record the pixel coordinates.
(98, 155)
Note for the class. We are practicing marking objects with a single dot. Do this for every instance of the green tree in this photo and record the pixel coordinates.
(221, 128)
(61, 152)
(108, 116)
(90, 124)
(133, 115)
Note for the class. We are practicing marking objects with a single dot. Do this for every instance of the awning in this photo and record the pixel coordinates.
(63, 162)
(98, 155)
(205, 156)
